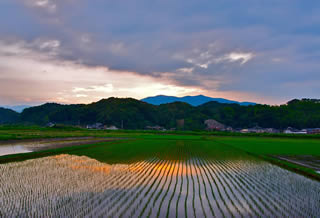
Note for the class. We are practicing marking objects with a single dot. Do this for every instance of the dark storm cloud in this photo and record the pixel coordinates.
(270, 48)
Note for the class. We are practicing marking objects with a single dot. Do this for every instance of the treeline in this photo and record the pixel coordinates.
(134, 114)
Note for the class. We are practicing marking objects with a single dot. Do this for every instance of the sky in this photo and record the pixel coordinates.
(80, 51)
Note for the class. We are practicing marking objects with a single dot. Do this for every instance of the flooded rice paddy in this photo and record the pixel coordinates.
(192, 186)
(25, 146)
(13, 149)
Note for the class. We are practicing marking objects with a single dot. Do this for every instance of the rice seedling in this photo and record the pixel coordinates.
(186, 182)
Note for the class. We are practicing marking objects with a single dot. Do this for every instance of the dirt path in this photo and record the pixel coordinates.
(298, 162)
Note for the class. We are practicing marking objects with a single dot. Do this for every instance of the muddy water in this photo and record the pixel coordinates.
(69, 186)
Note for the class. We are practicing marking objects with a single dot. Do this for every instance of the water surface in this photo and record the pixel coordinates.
(13, 149)
(73, 186)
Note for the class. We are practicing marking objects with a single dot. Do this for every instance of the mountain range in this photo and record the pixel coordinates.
(135, 114)
(160, 99)
(192, 100)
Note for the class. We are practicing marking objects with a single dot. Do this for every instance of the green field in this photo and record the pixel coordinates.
(264, 145)
(140, 144)
(157, 174)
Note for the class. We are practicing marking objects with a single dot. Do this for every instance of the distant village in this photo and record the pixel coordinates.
(211, 125)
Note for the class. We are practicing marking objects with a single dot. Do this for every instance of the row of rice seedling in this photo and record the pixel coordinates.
(146, 187)
(270, 199)
(210, 194)
(180, 201)
(112, 185)
(149, 207)
(257, 193)
(152, 190)
(300, 194)
(200, 186)
(281, 201)
(163, 205)
(161, 195)
(43, 183)
(132, 196)
(174, 191)
(192, 185)
(265, 197)
(231, 190)
(156, 201)
(246, 198)
(224, 199)
(215, 209)
(176, 198)
(105, 199)
(136, 198)
(237, 202)
(193, 193)
(186, 189)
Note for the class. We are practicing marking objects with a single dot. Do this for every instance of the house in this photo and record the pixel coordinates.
(271, 130)
(244, 130)
(229, 129)
(313, 131)
(95, 126)
(50, 124)
(258, 129)
(214, 125)
(291, 130)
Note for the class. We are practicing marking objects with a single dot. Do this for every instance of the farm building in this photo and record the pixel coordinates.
(291, 130)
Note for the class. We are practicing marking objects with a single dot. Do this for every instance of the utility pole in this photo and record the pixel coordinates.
(121, 124)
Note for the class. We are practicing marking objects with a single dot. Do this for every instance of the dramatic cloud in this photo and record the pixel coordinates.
(33, 73)
(249, 50)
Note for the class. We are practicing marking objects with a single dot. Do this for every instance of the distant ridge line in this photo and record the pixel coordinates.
(192, 100)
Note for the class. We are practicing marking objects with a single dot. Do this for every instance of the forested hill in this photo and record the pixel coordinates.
(136, 114)
(8, 116)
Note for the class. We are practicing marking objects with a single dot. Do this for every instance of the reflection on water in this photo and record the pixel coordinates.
(23, 146)
(69, 186)
(13, 149)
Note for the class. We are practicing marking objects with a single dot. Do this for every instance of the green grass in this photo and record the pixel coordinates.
(273, 146)
(131, 150)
